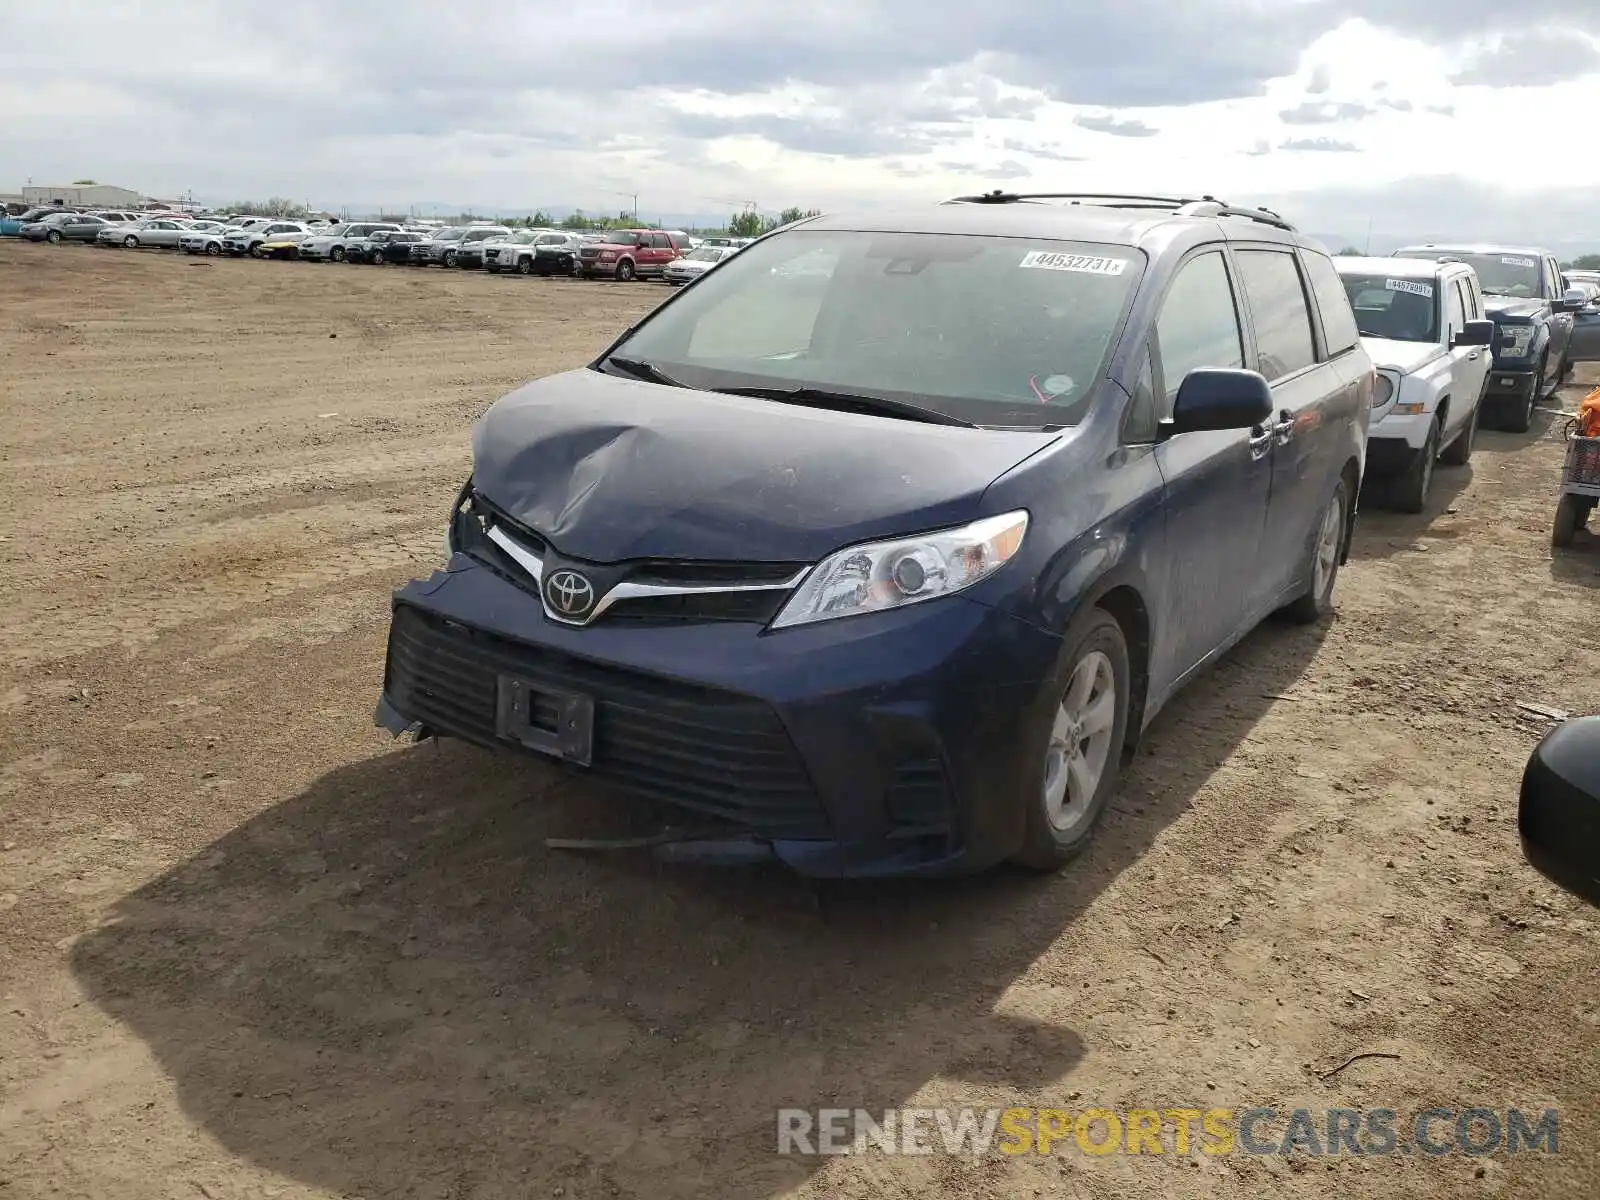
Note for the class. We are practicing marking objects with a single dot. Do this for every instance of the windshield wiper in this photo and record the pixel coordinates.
(849, 402)
(640, 369)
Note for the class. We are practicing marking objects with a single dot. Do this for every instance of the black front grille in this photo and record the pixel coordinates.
(703, 749)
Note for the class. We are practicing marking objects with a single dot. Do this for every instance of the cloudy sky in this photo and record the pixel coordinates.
(1427, 116)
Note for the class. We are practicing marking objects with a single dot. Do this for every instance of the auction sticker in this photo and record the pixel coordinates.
(1083, 264)
(1508, 261)
(1409, 285)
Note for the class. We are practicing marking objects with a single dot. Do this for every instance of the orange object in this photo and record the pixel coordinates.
(1589, 414)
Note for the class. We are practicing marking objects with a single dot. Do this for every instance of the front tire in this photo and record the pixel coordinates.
(1411, 489)
(377, 258)
(1521, 420)
(1326, 548)
(130, 242)
(1081, 753)
(53, 237)
(1459, 452)
(337, 254)
(256, 252)
(449, 258)
(213, 249)
(625, 272)
(525, 265)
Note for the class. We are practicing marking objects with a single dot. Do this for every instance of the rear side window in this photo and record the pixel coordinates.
(1198, 325)
(1278, 305)
(1339, 331)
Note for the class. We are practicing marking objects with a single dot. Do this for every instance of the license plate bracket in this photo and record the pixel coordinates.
(546, 720)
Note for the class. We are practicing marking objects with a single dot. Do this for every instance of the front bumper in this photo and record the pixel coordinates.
(893, 744)
(1507, 387)
(593, 266)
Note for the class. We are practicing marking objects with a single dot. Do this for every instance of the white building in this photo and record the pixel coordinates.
(89, 195)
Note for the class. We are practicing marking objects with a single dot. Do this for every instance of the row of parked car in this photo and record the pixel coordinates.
(624, 255)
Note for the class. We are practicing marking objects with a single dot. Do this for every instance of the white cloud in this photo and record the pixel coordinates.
(493, 105)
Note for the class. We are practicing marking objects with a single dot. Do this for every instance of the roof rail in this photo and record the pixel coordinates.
(1204, 206)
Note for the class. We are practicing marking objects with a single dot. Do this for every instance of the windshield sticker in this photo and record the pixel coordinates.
(1049, 260)
(1408, 285)
(1508, 261)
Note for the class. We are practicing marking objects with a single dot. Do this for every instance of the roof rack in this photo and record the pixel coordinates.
(1204, 206)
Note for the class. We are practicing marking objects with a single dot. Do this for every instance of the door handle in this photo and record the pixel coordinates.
(1284, 429)
(1260, 443)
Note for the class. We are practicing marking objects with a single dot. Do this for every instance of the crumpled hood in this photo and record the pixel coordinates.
(1497, 307)
(611, 469)
(1404, 357)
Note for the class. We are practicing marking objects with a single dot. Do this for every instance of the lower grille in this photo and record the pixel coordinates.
(702, 749)
(918, 799)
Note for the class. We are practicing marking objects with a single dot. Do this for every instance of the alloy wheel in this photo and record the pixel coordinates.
(1080, 742)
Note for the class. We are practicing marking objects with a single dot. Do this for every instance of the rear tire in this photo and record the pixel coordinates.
(131, 242)
(1079, 746)
(525, 265)
(1459, 452)
(1322, 569)
(1569, 517)
(213, 249)
(1411, 489)
(53, 237)
(337, 254)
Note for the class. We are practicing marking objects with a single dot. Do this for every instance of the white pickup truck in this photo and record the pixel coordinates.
(1423, 324)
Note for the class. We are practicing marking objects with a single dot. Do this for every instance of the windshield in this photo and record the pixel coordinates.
(991, 330)
(552, 239)
(705, 254)
(453, 234)
(620, 239)
(1403, 310)
(1504, 274)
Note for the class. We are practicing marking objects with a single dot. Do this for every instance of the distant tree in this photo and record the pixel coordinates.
(1586, 262)
(84, 183)
(575, 220)
(1349, 252)
(746, 224)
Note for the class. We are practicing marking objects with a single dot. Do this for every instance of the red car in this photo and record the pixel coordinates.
(631, 254)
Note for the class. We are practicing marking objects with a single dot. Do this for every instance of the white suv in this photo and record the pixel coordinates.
(1424, 326)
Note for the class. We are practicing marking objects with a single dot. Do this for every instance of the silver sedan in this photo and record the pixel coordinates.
(157, 231)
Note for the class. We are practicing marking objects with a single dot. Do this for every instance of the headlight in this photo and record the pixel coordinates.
(463, 523)
(892, 574)
(1382, 390)
(1515, 340)
(607, 255)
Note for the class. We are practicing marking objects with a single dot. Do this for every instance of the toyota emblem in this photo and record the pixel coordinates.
(569, 593)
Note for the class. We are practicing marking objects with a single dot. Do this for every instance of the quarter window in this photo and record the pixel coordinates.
(1278, 305)
(1198, 325)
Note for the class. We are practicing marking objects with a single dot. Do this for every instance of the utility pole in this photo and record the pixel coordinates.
(1368, 249)
(634, 196)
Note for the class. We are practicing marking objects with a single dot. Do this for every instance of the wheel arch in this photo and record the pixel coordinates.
(1351, 477)
(1127, 607)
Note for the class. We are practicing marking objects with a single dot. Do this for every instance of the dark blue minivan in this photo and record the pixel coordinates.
(879, 546)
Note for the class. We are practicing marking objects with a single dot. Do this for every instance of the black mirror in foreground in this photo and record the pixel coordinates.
(1219, 398)
(1476, 333)
(1559, 817)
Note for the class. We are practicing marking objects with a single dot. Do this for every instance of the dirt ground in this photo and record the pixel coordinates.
(250, 948)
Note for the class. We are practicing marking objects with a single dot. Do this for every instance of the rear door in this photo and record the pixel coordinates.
(1470, 366)
(1561, 322)
(1313, 399)
(1217, 484)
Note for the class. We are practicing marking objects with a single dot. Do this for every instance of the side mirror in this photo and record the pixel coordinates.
(1572, 300)
(1559, 814)
(1476, 333)
(1219, 398)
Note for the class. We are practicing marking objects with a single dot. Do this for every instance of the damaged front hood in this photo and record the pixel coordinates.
(611, 469)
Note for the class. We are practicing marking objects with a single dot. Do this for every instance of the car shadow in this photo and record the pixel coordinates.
(387, 984)
(1381, 531)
